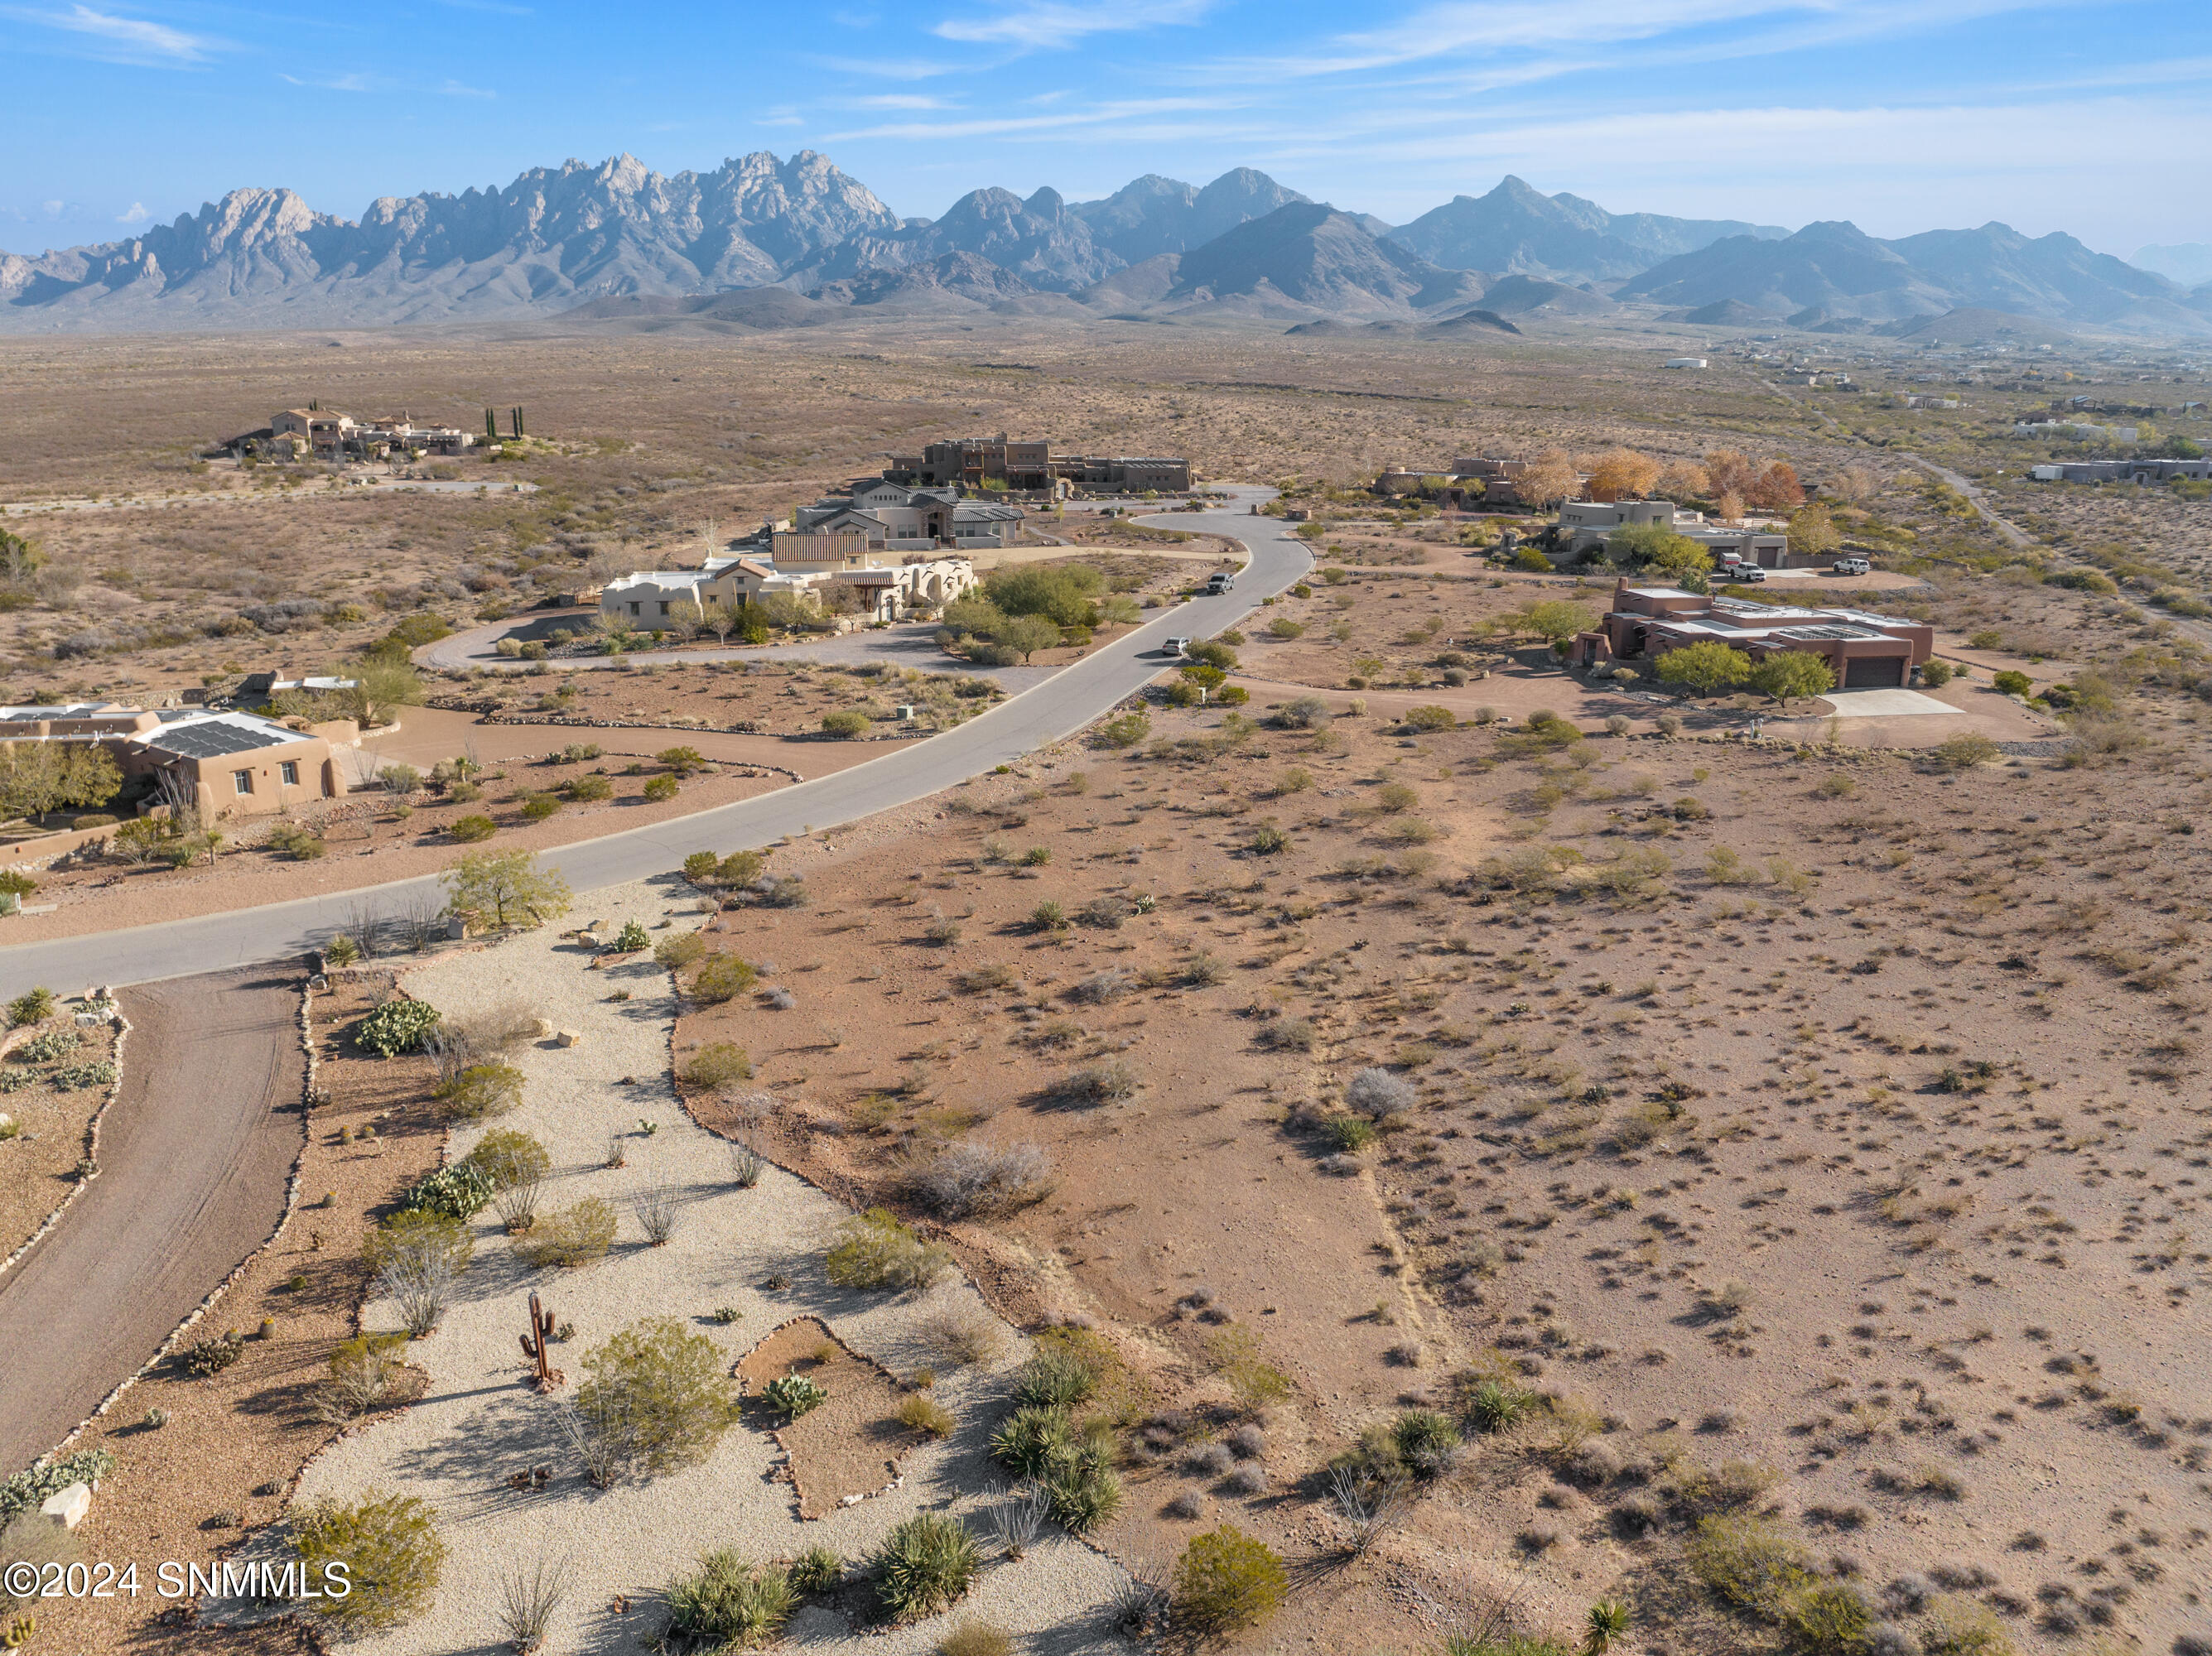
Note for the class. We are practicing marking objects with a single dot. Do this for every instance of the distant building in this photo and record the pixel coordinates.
(1684, 362)
(2075, 431)
(321, 434)
(1583, 524)
(236, 764)
(1030, 467)
(2119, 471)
(898, 518)
(1865, 651)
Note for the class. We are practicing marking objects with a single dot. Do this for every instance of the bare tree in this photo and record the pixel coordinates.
(601, 1451)
(367, 927)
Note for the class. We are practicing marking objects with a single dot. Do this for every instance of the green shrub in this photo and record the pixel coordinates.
(717, 1063)
(471, 830)
(1748, 1563)
(660, 790)
(397, 1026)
(582, 790)
(794, 1395)
(1966, 750)
(1034, 1439)
(875, 1251)
(721, 978)
(539, 806)
(31, 1006)
(729, 1604)
(1226, 1580)
(390, 1551)
(1828, 1618)
(1936, 674)
(919, 1412)
(1350, 1133)
(740, 867)
(1268, 840)
(507, 1157)
(1429, 718)
(1496, 1406)
(679, 949)
(1123, 731)
(575, 1235)
(480, 1091)
(1957, 1626)
(2010, 682)
(1427, 1441)
(457, 1192)
(926, 1566)
(845, 723)
(28, 1489)
(341, 950)
(700, 866)
(681, 761)
(1056, 1378)
(1705, 667)
(975, 1639)
(1082, 1489)
(816, 1570)
(658, 1393)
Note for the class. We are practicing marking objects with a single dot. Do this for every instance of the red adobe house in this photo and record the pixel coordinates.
(1865, 651)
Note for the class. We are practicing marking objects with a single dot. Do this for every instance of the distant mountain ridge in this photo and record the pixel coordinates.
(610, 242)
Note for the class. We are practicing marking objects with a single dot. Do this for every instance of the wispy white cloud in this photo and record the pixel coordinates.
(1035, 125)
(117, 38)
(784, 115)
(456, 90)
(900, 100)
(1040, 25)
(355, 82)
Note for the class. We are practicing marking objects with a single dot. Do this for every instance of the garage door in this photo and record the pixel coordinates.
(1873, 673)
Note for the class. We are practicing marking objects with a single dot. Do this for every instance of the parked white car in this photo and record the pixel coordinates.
(1851, 567)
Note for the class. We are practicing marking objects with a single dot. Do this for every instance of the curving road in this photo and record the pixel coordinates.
(1060, 706)
(194, 1156)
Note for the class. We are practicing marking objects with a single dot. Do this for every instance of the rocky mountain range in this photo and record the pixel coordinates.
(618, 245)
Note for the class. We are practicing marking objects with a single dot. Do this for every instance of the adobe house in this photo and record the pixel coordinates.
(1865, 651)
(237, 764)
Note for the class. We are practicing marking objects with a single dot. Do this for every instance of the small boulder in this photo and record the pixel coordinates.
(67, 1507)
(569, 1038)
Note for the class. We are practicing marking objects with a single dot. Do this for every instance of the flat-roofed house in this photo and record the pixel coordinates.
(1864, 651)
(237, 764)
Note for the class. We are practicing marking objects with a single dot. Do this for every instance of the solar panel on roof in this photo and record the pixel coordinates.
(214, 739)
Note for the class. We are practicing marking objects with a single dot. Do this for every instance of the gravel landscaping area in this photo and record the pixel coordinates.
(479, 1422)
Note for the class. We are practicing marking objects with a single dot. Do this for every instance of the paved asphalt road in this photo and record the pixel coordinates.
(194, 1154)
(1061, 705)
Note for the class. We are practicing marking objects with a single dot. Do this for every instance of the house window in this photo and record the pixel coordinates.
(290, 771)
(241, 781)
(663, 608)
(634, 609)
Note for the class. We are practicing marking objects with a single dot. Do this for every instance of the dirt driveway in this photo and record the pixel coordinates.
(194, 1156)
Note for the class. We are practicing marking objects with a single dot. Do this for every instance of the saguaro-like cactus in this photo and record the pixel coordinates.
(535, 1343)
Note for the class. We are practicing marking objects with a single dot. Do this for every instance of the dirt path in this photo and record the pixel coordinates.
(194, 1156)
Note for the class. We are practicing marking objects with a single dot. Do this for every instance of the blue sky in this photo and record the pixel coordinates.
(2090, 116)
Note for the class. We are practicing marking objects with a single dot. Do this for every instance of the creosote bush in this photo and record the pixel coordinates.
(717, 1063)
(391, 1554)
(657, 1394)
(479, 1091)
(873, 1250)
(721, 978)
(1224, 1581)
(574, 1235)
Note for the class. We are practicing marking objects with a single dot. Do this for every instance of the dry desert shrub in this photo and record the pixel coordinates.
(873, 1250)
(962, 1334)
(576, 1235)
(969, 1180)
